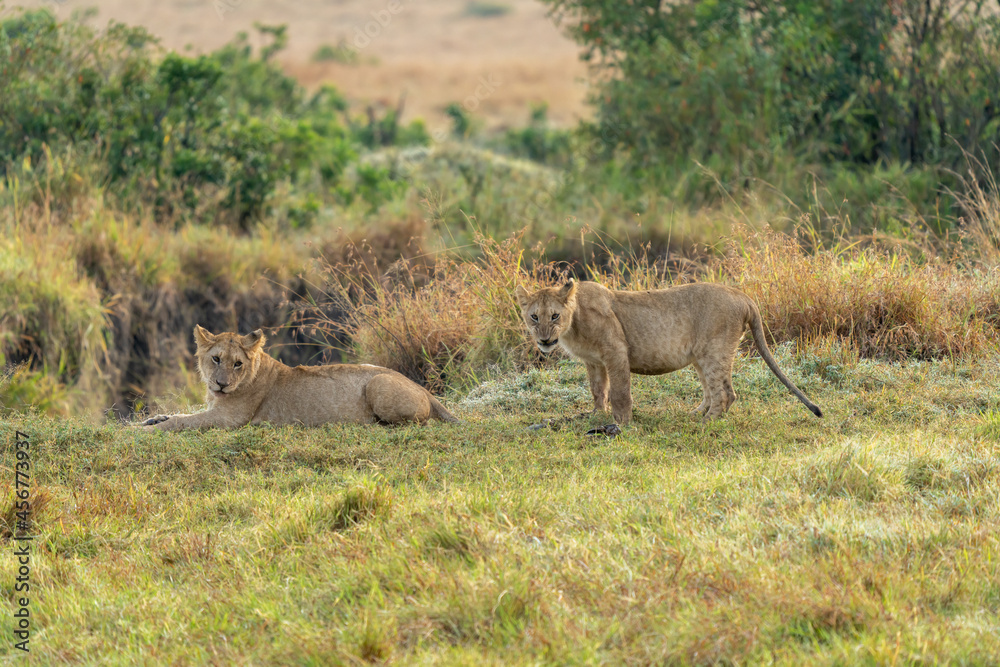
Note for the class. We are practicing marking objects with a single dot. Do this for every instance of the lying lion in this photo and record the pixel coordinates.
(248, 386)
(616, 333)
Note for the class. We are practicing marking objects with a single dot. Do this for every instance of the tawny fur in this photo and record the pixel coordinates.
(248, 386)
(616, 333)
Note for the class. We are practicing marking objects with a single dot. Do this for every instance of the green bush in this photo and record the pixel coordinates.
(486, 9)
(540, 142)
(378, 132)
(212, 137)
(341, 53)
(858, 81)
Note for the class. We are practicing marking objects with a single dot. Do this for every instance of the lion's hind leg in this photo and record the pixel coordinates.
(727, 387)
(718, 381)
(393, 399)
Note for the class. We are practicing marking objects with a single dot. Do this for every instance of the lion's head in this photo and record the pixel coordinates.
(226, 360)
(547, 312)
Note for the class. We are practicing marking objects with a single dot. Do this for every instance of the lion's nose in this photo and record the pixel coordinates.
(222, 385)
(548, 341)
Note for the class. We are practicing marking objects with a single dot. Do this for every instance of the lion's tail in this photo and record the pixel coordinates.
(441, 412)
(757, 330)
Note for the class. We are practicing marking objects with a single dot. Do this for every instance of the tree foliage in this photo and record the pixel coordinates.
(855, 81)
(211, 137)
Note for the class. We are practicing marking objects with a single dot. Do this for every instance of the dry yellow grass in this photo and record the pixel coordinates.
(882, 304)
(437, 329)
(444, 327)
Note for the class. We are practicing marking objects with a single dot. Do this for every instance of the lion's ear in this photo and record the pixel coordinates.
(521, 295)
(253, 340)
(568, 291)
(203, 337)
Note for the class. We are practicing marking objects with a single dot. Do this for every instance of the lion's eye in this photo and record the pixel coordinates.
(215, 359)
(534, 318)
(555, 316)
(237, 364)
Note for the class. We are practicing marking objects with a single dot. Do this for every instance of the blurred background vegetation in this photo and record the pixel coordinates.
(144, 191)
(877, 99)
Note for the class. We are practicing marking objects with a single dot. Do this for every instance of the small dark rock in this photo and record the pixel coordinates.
(610, 430)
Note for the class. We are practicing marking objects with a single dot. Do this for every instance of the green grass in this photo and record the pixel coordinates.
(869, 536)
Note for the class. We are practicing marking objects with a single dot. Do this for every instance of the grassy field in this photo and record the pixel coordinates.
(770, 536)
(767, 537)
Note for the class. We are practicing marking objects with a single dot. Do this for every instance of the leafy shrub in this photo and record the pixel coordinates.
(463, 125)
(846, 80)
(210, 137)
(481, 9)
(341, 53)
(468, 190)
(377, 132)
(539, 142)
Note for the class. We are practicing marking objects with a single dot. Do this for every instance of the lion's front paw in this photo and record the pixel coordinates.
(152, 421)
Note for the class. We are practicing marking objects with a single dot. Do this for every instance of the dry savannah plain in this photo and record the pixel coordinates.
(379, 202)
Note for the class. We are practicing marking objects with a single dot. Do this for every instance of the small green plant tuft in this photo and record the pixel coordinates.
(449, 540)
(989, 426)
(186, 549)
(852, 473)
(923, 473)
(341, 53)
(485, 10)
(376, 639)
(358, 504)
(23, 389)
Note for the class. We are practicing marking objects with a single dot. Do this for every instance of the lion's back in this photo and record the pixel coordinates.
(318, 394)
(663, 329)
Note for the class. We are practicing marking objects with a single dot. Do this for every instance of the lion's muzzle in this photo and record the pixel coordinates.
(546, 346)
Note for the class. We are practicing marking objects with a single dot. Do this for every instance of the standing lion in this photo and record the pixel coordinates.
(616, 333)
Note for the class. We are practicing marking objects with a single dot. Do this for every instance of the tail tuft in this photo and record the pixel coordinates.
(816, 411)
